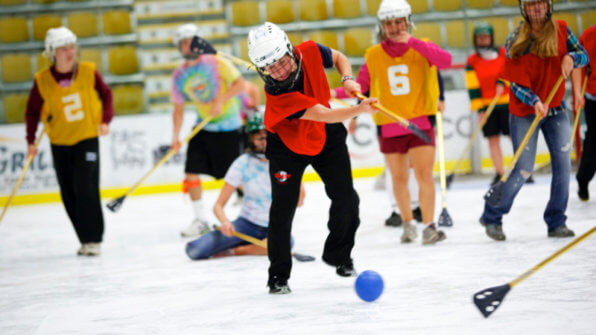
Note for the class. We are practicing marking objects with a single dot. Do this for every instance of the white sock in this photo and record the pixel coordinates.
(197, 206)
(427, 224)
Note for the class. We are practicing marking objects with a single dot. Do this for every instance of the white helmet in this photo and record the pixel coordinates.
(58, 37)
(394, 9)
(525, 15)
(188, 30)
(267, 44)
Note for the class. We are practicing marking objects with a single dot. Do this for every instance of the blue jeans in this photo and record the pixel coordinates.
(557, 133)
(215, 242)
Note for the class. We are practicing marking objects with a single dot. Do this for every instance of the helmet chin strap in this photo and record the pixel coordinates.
(287, 83)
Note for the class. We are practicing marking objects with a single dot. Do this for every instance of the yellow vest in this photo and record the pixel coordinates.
(407, 85)
(71, 114)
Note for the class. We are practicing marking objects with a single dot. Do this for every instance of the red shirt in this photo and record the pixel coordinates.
(304, 137)
(487, 72)
(537, 74)
(588, 40)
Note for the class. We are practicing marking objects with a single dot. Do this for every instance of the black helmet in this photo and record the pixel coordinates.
(484, 28)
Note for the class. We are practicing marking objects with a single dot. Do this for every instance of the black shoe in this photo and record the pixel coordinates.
(495, 231)
(394, 220)
(496, 179)
(561, 231)
(278, 285)
(346, 270)
(530, 180)
(417, 214)
(583, 193)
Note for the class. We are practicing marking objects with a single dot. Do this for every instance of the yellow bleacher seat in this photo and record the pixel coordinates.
(295, 38)
(480, 4)
(128, 99)
(123, 60)
(455, 34)
(333, 78)
(16, 68)
(429, 30)
(372, 6)
(14, 107)
(116, 22)
(516, 20)
(346, 9)
(326, 38)
(500, 27)
(42, 62)
(13, 29)
(83, 24)
(93, 55)
(419, 6)
(313, 10)
(42, 23)
(280, 11)
(588, 20)
(571, 19)
(357, 40)
(245, 13)
(447, 5)
(243, 47)
(12, 2)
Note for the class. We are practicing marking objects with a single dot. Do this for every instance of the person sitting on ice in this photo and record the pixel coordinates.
(251, 172)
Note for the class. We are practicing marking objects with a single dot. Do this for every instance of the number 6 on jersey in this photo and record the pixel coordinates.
(398, 79)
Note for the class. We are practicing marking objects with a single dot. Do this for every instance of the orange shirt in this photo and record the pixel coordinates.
(71, 114)
(407, 85)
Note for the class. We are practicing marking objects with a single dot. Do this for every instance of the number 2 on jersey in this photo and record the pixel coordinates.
(398, 79)
(72, 107)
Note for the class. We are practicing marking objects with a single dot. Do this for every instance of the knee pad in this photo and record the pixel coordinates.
(186, 185)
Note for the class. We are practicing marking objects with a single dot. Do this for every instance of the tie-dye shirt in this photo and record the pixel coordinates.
(201, 82)
(253, 175)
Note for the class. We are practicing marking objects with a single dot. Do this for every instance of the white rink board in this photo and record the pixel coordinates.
(130, 150)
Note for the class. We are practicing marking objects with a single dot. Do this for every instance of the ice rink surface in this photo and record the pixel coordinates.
(145, 284)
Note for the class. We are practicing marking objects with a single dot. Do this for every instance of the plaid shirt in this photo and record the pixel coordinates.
(575, 50)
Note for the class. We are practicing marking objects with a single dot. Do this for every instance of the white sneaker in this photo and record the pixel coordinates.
(89, 249)
(409, 234)
(197, 228)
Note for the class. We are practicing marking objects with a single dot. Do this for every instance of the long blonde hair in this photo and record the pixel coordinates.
(545, 44)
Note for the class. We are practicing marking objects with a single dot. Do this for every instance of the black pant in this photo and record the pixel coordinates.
(587, 164)
(286, 169)
(77, 170)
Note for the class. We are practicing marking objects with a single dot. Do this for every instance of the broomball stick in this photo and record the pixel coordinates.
(495, 193)
(488, 300)
(116, 203)
(20, 180)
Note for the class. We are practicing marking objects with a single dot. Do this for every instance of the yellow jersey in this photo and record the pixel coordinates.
(407, 85)
(70, 114)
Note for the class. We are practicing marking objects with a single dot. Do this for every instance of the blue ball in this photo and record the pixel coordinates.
(369, 285)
